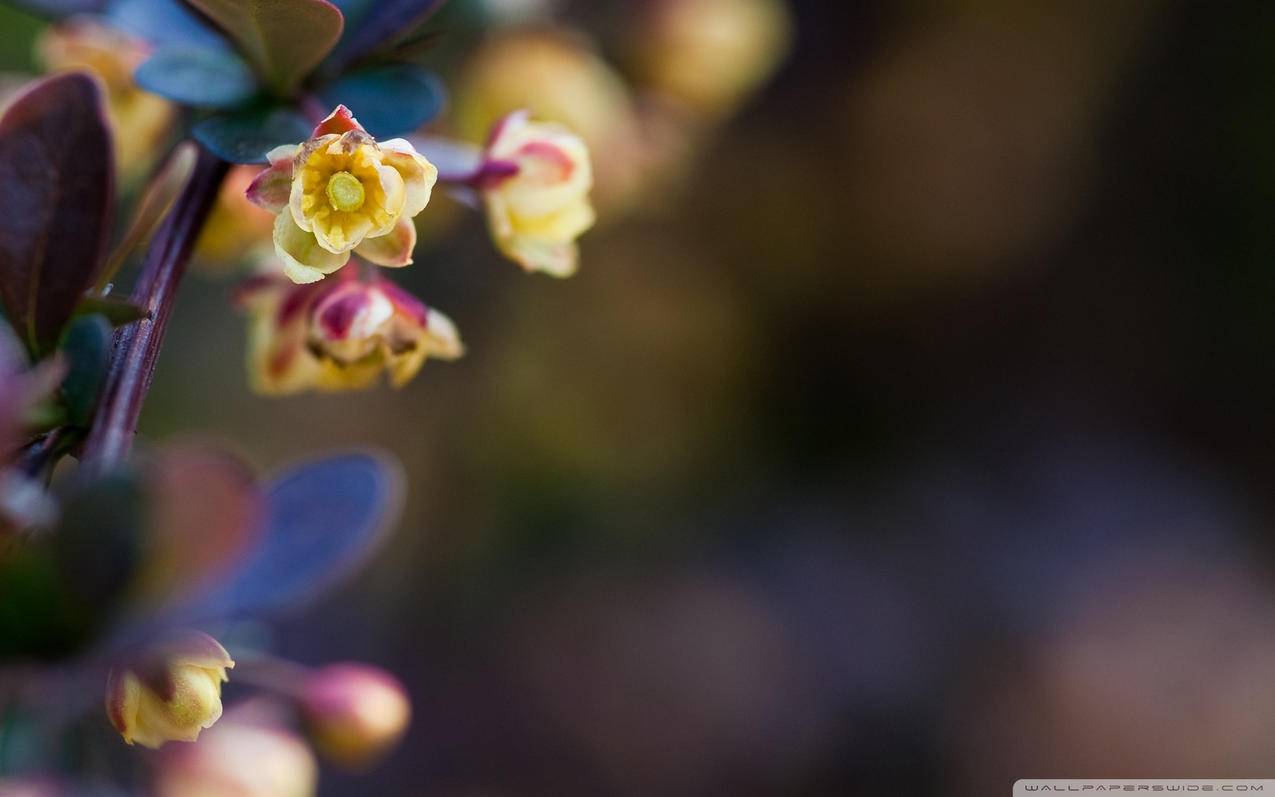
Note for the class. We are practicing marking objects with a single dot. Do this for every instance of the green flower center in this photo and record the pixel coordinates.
(345, 192)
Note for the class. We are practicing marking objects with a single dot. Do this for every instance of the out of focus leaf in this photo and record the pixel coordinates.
(164, 23)
(386, 23)
(60, 8)
(324, 519)
(246, 136)
(87, 347)
(285, 39)
(115, 310)
(197, 77)
(59, 589)
(98, 542)
(55, 160)
(161, 193)
(390, 100)
(205, 512)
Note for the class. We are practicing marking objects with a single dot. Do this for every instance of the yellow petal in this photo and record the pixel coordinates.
(393, 250)
(419, 175)
(303, 259)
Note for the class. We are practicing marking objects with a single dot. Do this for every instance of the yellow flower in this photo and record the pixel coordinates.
(535, 186)
(354, 712)
(339, 335)
(170, 692)
(139, 119)
(341, 192)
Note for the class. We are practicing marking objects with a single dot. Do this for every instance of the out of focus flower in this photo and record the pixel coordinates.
(341, 192)
(711, 54)
(140, 119)
(339, 335)
(168, 692)
(559, 78)
(236, 226)
(535, 186)
(354, 712)
(247, 755)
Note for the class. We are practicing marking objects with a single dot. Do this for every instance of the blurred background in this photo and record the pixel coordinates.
(909, 432)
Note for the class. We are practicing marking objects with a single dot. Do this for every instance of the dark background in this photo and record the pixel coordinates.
(918, 442)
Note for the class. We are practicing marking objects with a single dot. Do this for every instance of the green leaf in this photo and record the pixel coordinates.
(246, 136)
(388, 100)
(284, 39)
(56, 170)
(198, 77)
(88, 348)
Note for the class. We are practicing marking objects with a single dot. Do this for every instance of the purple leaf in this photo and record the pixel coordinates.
(324, 520)
(56, 168)
(387, 22)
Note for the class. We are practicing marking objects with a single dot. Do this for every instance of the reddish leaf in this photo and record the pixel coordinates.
(205, 515)
(56, 171)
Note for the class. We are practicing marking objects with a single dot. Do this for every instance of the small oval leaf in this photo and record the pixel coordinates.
(197, 77)
(88, 348)
(55, 157)
(324, 520)
(284, 39)
(246, 136)
(388, 100)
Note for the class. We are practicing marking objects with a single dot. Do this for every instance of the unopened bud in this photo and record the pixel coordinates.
(355, 712)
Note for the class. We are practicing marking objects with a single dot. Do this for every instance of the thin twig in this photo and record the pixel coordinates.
(137, 344)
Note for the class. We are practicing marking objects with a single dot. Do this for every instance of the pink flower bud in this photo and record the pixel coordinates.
(354, 712)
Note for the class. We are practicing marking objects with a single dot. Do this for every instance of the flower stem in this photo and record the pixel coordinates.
(137, 344)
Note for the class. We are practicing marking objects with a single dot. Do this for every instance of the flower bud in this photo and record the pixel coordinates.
(251, 753)
(168, 692)
(354, 712)
(538, 204)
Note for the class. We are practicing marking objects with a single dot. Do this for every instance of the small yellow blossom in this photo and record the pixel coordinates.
(139, 119)
(535, 187)
(339, 335)
(170, 692)
(341, 192)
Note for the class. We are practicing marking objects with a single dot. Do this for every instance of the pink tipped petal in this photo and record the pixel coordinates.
(285, 154)
(272, 187)
(339, 121)
(393, 250)
(507, 124)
